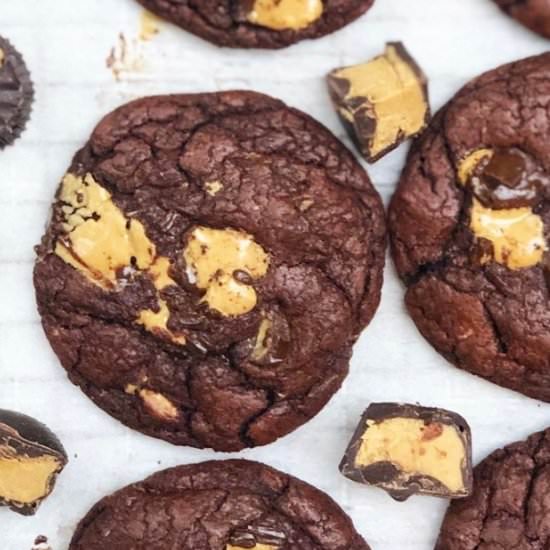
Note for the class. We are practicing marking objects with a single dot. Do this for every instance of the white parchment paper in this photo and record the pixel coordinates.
(66, 43)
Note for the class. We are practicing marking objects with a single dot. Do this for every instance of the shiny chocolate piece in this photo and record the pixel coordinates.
(265, 535)
(16, 93)
(381, 102)
(507, 178)
(409, 449)
(31, 458)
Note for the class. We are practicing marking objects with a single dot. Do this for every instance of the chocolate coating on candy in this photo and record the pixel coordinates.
(243, 257)
(381, 102)
(16, 93)
(409, 449)
(218, 505)
(31, 458)
(508, 507)
(259, 23)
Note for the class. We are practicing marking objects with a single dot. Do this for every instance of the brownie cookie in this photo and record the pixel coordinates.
(210, 261)
(259, 23)
(508, 509)
(16, 93)
(218, 505)
(534, 14)
(470, 225)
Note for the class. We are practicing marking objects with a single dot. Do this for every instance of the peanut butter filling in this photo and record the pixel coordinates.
(517, 234)
(468, 165)
(157, 321)
(416, 448)
(215, 256)
(101, 241)
(285, 14)
(213, 187)
(26, 480)
(395, 93)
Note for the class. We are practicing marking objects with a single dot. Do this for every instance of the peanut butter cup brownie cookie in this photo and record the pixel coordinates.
(508, 509)
(470, 225)
(218, 505)
(209, 263)
(534, 14)
(259, 23)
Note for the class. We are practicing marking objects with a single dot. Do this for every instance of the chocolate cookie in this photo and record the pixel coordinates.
(16, 94)
(534, 14)
(218, 505)
(470, 225)
(259, 23)
(210, 261)
(508, 509)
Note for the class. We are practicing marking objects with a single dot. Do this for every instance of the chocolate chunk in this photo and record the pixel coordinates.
(31, 457)
(264, 535)
(409, 449)
(503, 178)
(505, 168)
(381, 102)
(16, 93)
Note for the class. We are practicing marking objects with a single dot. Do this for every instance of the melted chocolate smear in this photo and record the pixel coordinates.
(510, 179)
(258, 534)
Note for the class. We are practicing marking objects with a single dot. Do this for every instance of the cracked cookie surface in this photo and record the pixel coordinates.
(534, 14)
(509, 507)
(218, 505)
(259, 23)
(470, 225)
(209, 263)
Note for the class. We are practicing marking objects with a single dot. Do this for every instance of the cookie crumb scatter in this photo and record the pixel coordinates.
(125, 58)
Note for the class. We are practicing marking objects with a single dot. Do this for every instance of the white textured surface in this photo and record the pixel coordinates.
(65, 43)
